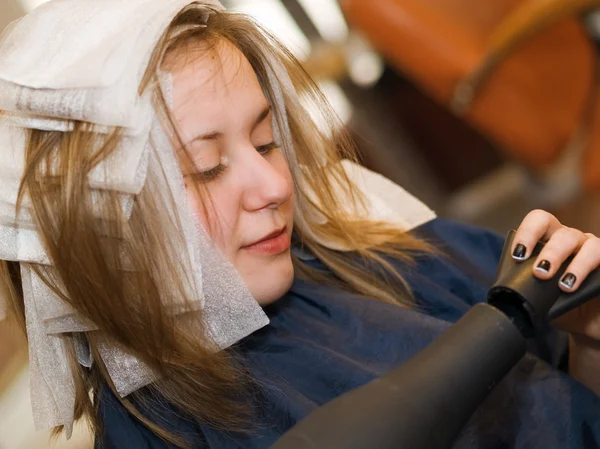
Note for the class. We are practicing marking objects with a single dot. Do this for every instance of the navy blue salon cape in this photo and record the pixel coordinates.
(323, 342)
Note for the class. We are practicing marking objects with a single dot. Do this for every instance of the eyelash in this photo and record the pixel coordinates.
(266, 149)
(215, 172)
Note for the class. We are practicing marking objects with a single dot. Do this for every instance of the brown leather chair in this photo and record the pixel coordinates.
(523, 72)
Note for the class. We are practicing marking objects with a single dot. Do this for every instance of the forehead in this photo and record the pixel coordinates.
(212, 80)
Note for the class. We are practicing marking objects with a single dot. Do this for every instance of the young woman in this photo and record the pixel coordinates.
(348, 292)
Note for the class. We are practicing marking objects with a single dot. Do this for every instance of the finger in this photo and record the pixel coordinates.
(563, 243)
(586, 260)
(537, 225)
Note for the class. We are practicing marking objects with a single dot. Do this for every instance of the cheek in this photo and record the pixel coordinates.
(214, 219)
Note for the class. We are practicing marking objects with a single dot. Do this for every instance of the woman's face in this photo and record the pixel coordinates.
(225, 121)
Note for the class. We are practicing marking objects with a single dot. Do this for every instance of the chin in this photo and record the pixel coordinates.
(272, 282)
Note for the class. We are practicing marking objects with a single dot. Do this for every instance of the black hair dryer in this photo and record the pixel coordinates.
(426, 402)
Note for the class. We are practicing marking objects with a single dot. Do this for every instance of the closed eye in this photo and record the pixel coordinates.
(208, 175)
(214, 173)
(266, 149)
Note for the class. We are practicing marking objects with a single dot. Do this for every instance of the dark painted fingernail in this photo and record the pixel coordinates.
(544, 266)
(520, 251)
(568, 280)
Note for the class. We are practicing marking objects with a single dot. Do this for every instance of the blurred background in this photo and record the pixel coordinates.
(482, 109)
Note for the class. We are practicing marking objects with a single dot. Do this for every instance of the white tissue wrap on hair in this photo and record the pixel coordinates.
(51, 381)
(94, 54)
(383, 201)
(123, 172)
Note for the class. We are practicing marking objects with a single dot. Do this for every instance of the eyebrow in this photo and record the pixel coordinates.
(214, 135)
(261, 117)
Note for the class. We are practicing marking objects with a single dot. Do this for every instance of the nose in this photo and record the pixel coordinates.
(267, 183)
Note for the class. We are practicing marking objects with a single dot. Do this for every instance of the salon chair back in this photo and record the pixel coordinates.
(522, 72)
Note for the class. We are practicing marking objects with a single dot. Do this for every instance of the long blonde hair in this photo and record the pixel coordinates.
(203, 383)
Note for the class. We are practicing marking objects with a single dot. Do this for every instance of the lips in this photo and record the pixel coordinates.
(275, 243)
(267, 237)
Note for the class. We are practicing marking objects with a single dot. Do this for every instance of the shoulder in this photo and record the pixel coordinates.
(470, 240)
(458, 274)
(472, 250)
